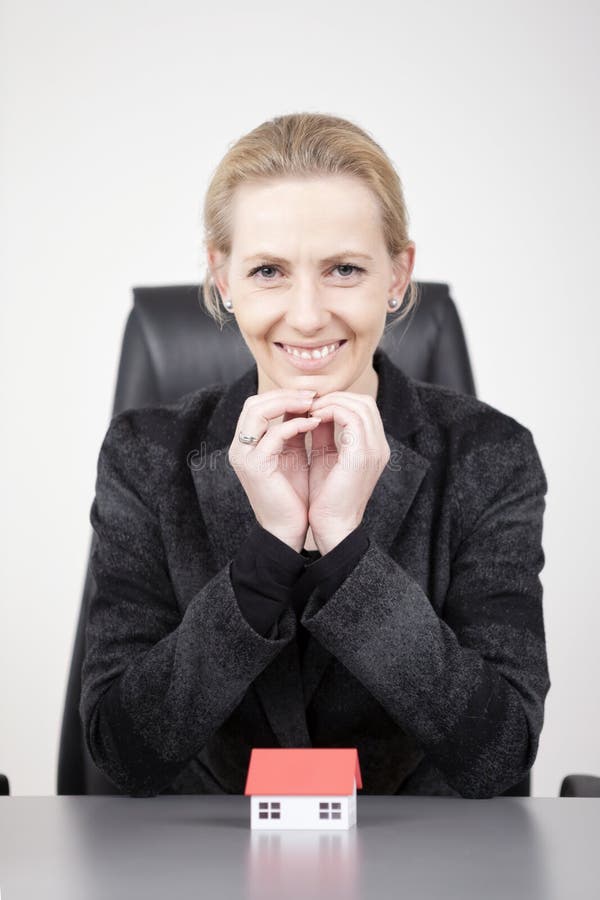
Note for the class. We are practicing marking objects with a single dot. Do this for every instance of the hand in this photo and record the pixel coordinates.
(341, 480)
(274, 471)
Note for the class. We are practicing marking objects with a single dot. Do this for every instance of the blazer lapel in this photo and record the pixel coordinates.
(285, 688)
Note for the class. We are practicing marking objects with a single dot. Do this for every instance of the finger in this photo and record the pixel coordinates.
(277, 397)
(353, 432)
(352, 395)
(363, 404)
(257, 414)
(323, 449)
(276, 438)
(297, 443)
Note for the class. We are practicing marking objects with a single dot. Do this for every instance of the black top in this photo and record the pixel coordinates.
(268, 575)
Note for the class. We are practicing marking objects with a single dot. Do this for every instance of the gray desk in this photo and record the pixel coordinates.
(170, 847)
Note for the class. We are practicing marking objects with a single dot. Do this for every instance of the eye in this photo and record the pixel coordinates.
(356, 269)
(261, 269)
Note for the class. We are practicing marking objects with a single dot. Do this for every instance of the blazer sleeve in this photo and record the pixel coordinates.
(268, 575)
(156, 684)
(469, 685)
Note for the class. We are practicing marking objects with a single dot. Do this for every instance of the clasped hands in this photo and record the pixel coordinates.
(326, 488)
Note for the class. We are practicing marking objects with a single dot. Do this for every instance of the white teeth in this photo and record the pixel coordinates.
(316, 353)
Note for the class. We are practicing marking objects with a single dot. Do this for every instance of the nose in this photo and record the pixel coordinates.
(307, 313)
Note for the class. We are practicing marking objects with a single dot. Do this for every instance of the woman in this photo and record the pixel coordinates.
(357, 565)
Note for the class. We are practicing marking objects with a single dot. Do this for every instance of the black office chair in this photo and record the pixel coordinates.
(580, 786)
(172, 346)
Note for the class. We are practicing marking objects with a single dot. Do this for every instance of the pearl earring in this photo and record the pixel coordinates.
(393, 302)
(228, 304)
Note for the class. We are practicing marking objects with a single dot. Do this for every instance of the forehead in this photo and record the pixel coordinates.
(286, 212)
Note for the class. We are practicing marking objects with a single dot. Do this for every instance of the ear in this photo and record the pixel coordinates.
(403, 265)
(217, 264)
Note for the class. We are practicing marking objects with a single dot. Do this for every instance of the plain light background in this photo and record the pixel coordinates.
(113, 118)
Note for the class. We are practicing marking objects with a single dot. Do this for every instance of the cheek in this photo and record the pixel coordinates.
(368, 319)
(253, 322)
(365, 312)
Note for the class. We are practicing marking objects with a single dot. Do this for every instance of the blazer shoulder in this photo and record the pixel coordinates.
(485, 443)
(492, 455)
(147, 447)
(471, 420)
(167, 426)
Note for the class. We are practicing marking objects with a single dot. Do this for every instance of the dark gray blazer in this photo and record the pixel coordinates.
(430, 657)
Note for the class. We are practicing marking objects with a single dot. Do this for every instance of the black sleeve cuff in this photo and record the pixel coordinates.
(267, 575)
(263, 573)
(329, 571)
(277, 551)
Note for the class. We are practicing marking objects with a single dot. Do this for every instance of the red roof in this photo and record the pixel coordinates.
(303, 770)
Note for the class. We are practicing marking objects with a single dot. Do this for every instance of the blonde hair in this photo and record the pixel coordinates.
(301, 145)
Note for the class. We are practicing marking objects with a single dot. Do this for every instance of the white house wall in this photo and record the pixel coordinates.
(303, 811)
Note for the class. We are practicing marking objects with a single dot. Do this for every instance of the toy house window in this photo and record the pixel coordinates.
(269, 809)
(330, 810)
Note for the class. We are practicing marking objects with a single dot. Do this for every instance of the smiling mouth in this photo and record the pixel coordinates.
(313, 360)
(309, 353)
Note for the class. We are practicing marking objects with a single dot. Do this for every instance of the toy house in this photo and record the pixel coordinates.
(302, 787)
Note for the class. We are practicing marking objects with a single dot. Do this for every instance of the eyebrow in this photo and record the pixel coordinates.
(327, 259)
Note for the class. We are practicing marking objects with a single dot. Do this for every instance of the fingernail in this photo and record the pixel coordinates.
(308, 393)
